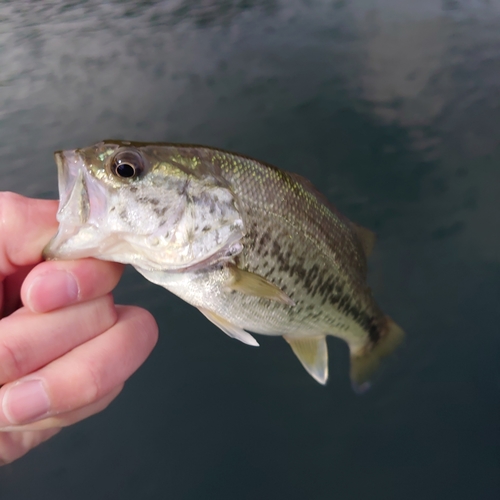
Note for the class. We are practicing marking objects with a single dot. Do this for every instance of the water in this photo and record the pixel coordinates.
(391, 107)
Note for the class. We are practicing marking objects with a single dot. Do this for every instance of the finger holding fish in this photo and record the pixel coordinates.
(25, 227)
(56, 320)
(52, 285)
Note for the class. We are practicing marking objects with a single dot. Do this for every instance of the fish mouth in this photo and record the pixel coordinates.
(74, 203)
(79, 197)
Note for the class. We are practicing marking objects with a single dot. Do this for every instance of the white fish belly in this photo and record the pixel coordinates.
(263, 316)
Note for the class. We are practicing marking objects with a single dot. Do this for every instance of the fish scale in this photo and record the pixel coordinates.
(254, 248)
(287, 252)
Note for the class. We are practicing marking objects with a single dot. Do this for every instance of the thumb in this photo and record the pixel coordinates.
(26, 226)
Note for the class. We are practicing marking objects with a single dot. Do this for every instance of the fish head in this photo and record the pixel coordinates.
(156, 207)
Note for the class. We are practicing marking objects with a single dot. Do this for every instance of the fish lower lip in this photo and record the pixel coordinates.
(74, 203)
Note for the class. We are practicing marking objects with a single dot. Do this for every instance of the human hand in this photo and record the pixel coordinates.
(65, 348)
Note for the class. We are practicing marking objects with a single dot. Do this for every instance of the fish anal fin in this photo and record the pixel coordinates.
(366, 360)
(228, 328)
(255, 285)
(366, 237)
(313, 354)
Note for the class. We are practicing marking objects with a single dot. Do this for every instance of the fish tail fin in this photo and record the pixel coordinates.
(366, 360)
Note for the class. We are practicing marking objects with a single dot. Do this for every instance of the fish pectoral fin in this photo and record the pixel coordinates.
(255, 285)
(366, 360)
(313, 354)
(228, 328)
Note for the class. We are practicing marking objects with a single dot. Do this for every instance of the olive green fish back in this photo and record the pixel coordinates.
(293, 199)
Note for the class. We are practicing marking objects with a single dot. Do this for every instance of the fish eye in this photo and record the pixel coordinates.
(127, 164)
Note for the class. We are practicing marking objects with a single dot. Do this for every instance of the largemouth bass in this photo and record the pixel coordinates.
(254, 248)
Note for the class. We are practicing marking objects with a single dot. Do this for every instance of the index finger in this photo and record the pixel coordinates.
(26, 226)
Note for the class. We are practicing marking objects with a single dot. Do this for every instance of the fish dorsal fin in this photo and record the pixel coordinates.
(228, 328)
(313, 354)
(311, 188)
(255, 285)
(366, 237)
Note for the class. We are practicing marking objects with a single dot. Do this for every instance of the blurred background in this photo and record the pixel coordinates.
(392, 108)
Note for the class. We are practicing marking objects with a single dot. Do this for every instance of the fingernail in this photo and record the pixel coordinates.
(52, 290)
(25, 402)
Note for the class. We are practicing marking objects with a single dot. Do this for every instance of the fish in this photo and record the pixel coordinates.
(256, 249)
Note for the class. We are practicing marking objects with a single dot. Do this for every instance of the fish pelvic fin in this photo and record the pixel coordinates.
(313, 354)
(366, 360)
(367, 239)
(228, 328)
(254, 284)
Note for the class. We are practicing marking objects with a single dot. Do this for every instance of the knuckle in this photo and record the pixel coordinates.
(101, 315)
(107, 311)
(10, 208)
(98, 277)
(92, 390)
(8, 201)
(146, 324)
(11, 362)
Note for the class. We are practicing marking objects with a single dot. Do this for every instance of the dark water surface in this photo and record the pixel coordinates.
(391, 107)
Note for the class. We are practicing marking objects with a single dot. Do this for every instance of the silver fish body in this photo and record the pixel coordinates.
(254, 248)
